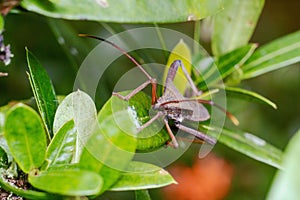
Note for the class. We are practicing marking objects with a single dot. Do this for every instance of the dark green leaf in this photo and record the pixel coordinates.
(4, 146)
(142, 195)
(234, 25)
(43, 91)
(62, 147)
(250, 145)
(29, 194)
(227, 64)
(248, 95)
(277, 54)
(75, 49)
(26, 137)
(129, 11)
(3, 159)
(80, 107)
(286, 184)
(71, 182)
(142, 176)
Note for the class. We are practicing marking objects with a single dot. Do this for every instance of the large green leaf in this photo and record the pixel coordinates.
(142, 176)
(26, 137)
(248, 95)
(250, 145)
(130, 11)
(112, 145)
(62, 147)
(277, 54)
(43, 91)
(81, 108)
(286, 184)
(234, 25)
(71, 182)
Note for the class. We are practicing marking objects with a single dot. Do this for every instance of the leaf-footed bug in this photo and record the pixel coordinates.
(172, 105)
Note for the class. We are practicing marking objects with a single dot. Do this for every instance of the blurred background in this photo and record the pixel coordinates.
(244, 178)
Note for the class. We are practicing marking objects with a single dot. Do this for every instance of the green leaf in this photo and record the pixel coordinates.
(43, 91)
(227, 64)
(142, 176)
(248, 95)
(3, 159)
(234, 25)
(129, 11)
(26, 137)
(277, 54)
(81, 108)
(180, 52)
(28, 194)
(71, 182)
(142, 195)
(112, 145)
(1, 23)
(3, 111)
(250, 145)
(62, 147)
(75, 49)
(286, 184)
(137, 109)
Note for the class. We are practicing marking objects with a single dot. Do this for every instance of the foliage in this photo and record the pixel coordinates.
(68, 149)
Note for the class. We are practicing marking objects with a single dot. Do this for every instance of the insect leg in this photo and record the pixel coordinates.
(196, 133)
(151, 80)
(174, 141)
(178, 63)
(136, 90)
(150, 121)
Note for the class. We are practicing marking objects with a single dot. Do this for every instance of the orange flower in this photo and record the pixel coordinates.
(208, 179)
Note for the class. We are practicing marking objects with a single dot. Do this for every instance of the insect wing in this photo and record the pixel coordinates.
(199, 112)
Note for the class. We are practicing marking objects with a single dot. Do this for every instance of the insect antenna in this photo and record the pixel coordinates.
(121, 50)
(234, 120)
(152, 81)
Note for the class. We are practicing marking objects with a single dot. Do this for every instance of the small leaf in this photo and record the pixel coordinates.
(277, 54)
(130, 11)
(3, 159)
(43, 91)
(1, 23)
(28, 194)
(250, 145)
(3, 111)
(142, 176)
(248, 95)
(71, 182)
(286, 184)
(234, 25)
(142, 195)
(26, 137)
(81, 108)
(62, 147)
(180, 52)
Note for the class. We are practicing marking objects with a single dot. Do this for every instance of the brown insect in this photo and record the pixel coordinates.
(172, 105)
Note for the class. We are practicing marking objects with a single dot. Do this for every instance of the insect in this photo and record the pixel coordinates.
(172, 105)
